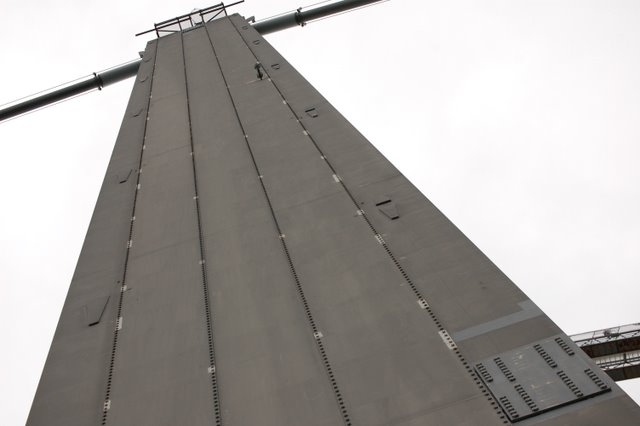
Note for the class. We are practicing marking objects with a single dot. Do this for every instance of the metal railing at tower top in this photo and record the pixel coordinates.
(616, 350)
(192, 19)
(607, 335)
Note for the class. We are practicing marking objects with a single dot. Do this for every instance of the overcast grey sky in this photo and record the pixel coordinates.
(518, 119)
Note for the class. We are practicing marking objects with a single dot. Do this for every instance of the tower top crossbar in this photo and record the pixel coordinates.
(192, 19)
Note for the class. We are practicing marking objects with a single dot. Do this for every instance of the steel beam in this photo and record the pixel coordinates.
(96, 81)
(301, 17)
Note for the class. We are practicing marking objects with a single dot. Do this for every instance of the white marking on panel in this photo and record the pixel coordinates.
(336, 178)
(107, 405)
(119, 324)
(423, 303)
(447, 339)
(379, 238)
(130, 244)
(212, 369)
(318, 335)
(360, 212)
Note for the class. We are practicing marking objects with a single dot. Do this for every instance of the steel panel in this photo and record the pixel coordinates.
(268, 367)
(161, 367)
(263, 284)
(71, 388)
(365, 332)
(464, 288)
(536, 378)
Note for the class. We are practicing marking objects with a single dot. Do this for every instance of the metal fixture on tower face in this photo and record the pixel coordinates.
(253, 259)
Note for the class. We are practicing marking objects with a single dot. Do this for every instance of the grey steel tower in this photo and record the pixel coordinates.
(254, 260)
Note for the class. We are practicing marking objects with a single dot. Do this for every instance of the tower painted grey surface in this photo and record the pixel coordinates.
(252, 259)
